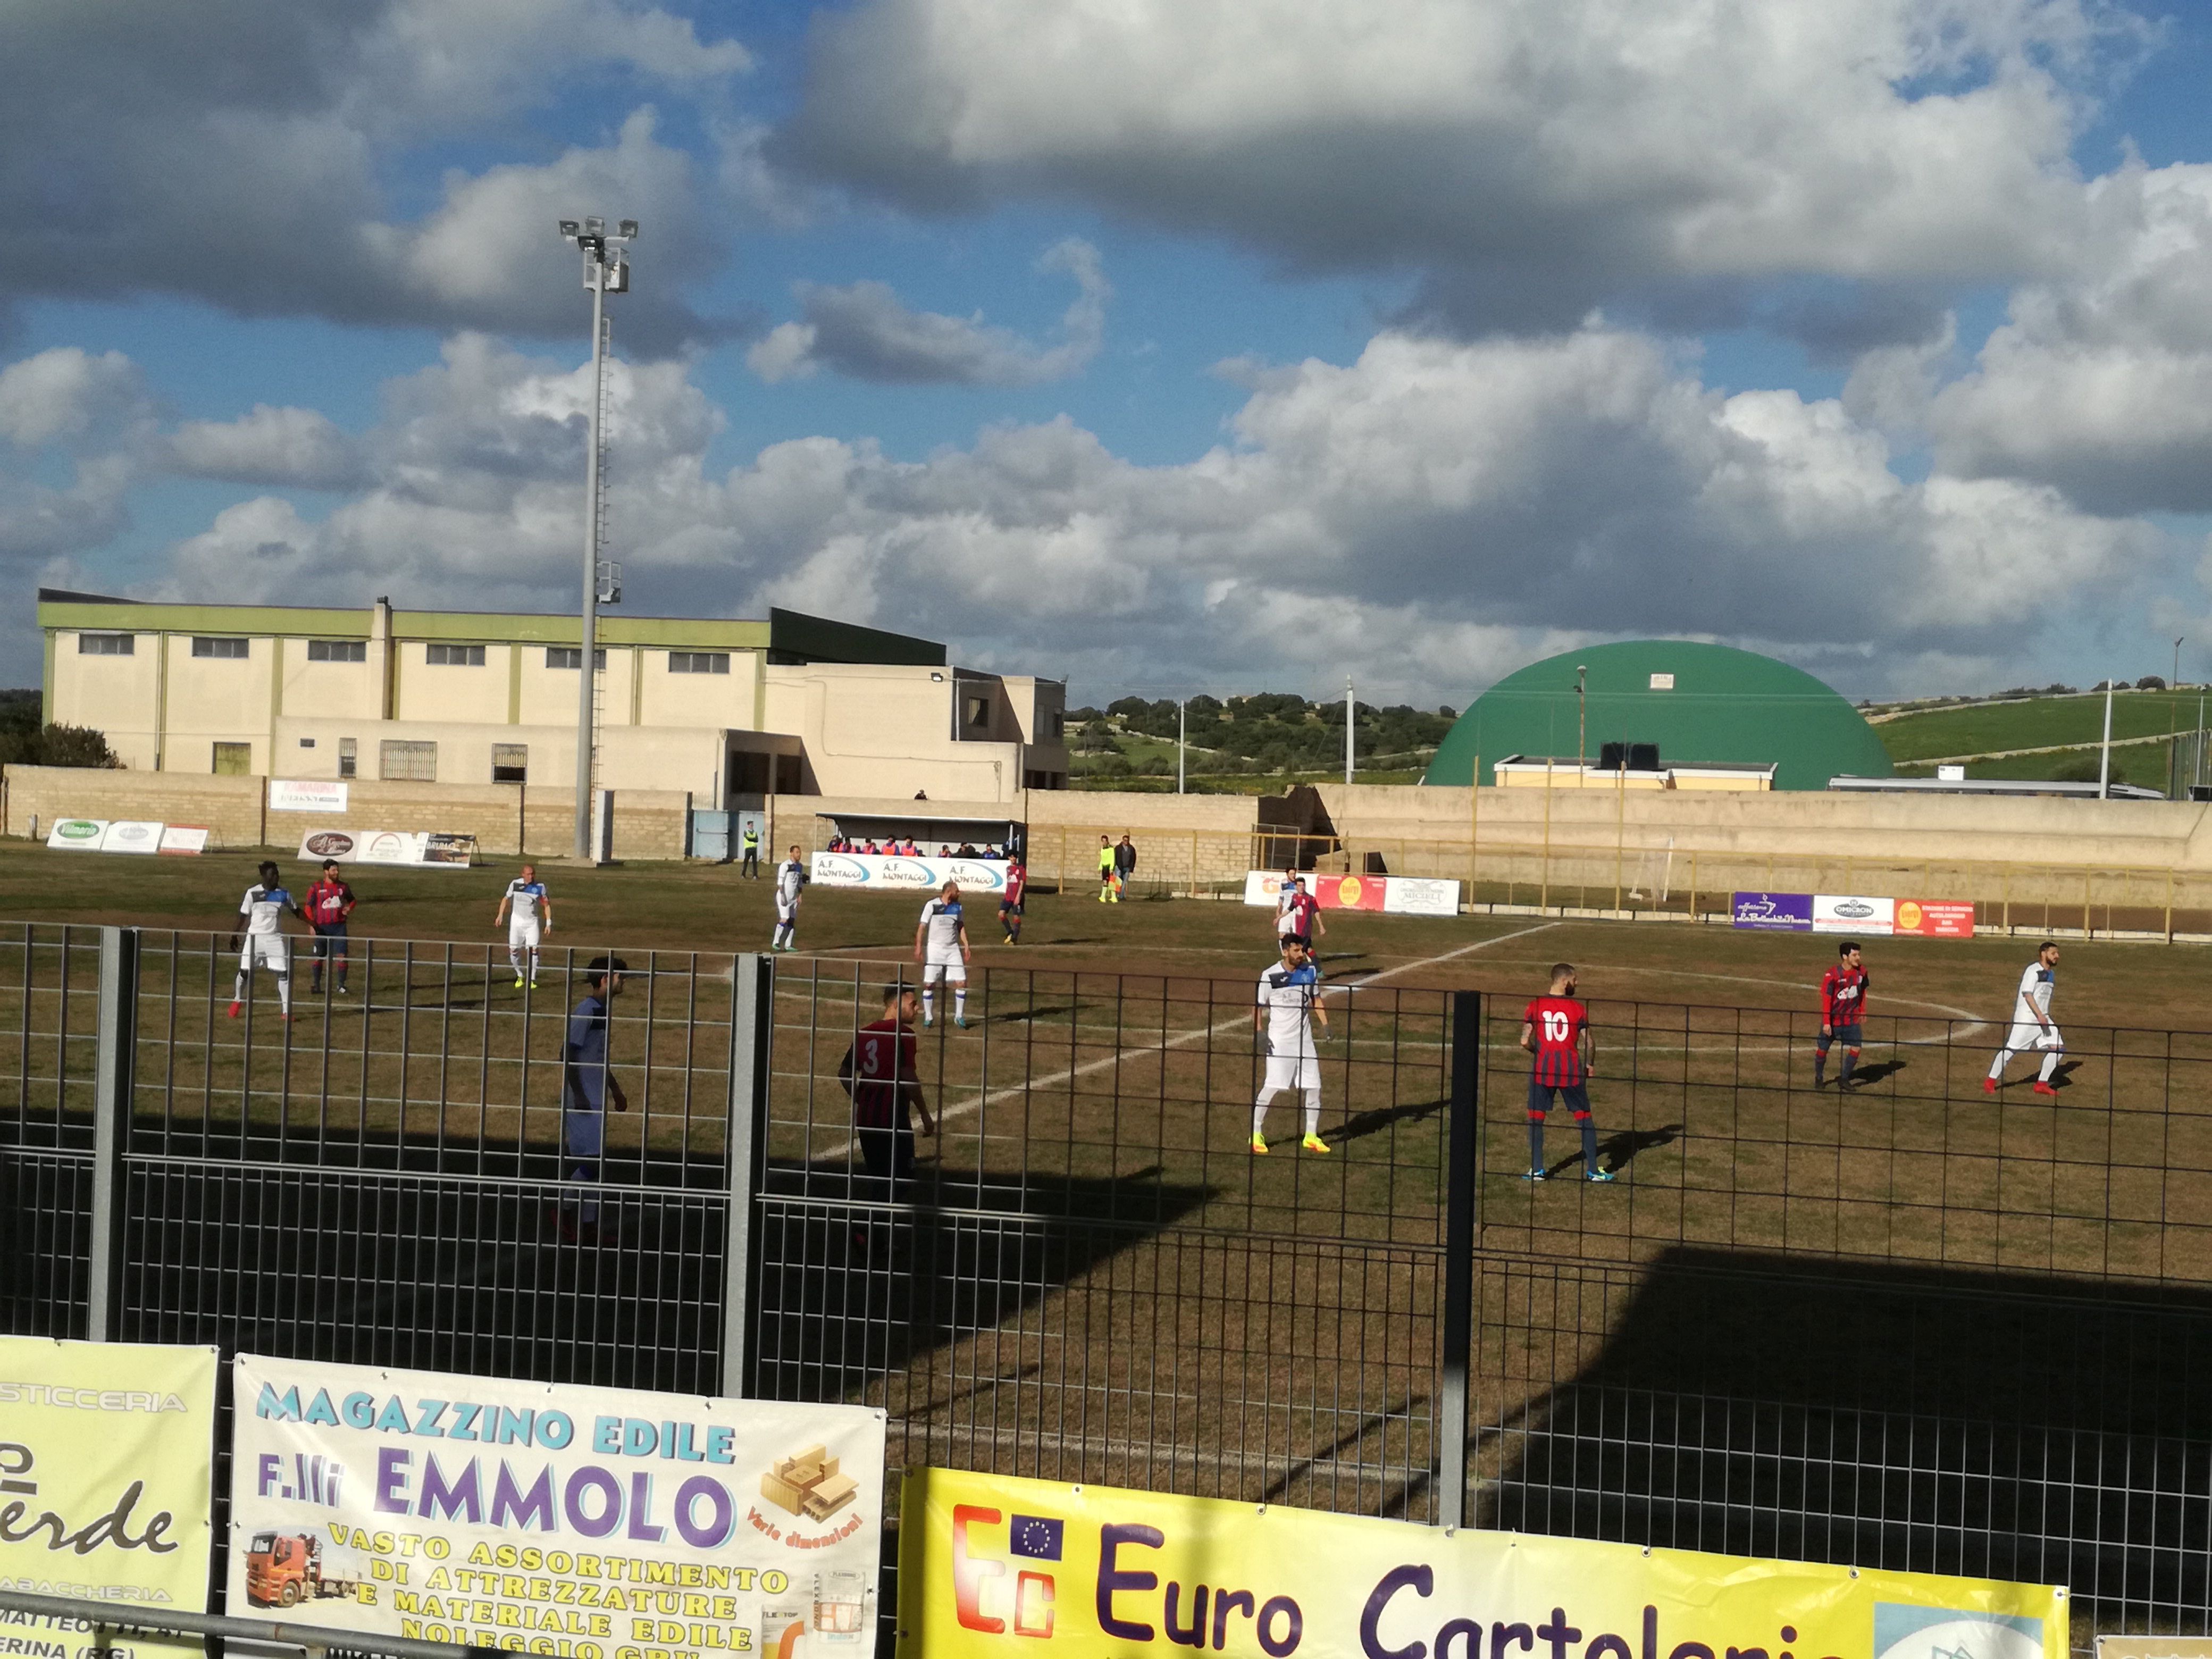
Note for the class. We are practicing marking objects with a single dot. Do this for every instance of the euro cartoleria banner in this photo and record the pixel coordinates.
(591, 1524)
(990, 1565)
(106, 1454)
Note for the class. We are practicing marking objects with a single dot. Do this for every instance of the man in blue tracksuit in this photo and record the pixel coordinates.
(588, 1086)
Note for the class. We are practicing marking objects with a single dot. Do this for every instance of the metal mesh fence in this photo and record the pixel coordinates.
(1913, 1324)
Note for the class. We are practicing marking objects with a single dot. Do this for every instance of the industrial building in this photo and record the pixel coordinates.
(725, 711)
(1668, 713)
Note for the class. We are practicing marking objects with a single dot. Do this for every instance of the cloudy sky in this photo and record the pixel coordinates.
(1161, 344)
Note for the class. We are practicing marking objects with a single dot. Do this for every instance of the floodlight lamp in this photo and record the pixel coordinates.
(570, 228)
(596, 227)
(630, 228)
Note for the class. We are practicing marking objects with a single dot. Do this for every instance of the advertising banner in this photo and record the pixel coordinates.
(890, 872)
(184, 838)
(1421, 896)
(295, 795)
(131, 835)
(1775, 913)
(78, 834)
(400, 847)
(1847, 913)
(593, 1523)
(106, 1450)
(1404, 896)
(1935, 918)
(989, 1565)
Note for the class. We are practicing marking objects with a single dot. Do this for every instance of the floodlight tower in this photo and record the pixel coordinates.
(606, 270)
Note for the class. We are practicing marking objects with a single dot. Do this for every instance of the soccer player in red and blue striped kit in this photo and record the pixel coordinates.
(1842, 1013)
(1556, 1030)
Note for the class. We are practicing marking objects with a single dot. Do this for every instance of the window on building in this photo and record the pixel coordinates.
(307, 743)
(571, 656)
(979, 713)
(231, 650)
(233, 760)
(338, 650)
(1058, 724)
(455, 656)
(400, 762)
(348, 757)
(698, 662)
(510, 763)
(104, 645)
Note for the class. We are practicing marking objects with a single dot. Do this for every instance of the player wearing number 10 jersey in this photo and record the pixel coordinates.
(1555, 1029)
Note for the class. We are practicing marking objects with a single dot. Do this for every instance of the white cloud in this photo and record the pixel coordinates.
(865, 332)
(1529, 155)
(60, 395)
(300, 447)
(1426, 515)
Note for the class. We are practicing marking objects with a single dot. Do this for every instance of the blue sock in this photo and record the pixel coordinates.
(1535, 1143)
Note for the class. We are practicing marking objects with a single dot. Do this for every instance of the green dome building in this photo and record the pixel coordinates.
(1699, 704)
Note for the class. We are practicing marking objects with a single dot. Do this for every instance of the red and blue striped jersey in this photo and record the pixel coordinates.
(1557, 1024)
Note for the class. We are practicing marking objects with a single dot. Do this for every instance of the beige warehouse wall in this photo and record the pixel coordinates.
(229, 808)
(115, 695)
(685, 761)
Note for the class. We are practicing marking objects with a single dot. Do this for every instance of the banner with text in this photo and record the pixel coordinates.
(1848, 913)
(989, 1564)
(1401, 895)
(597, 1524)
(105, 1455)
(305, 795)
(895, 872)
(397, 846)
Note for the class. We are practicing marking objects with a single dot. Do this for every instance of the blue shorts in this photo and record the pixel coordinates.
(1846, 1034)
(1576, 1095)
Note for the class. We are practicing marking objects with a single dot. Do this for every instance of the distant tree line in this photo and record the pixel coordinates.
(1269, 731)
(25, 742)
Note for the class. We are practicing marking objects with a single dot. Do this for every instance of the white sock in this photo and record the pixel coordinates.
(1313, 1111)
(2050, 1063)
(237, 987)
(960, 1003)
(2003, 1058)
(514, 960)
(1260, 1114)
(285, 992)
(929, 1004)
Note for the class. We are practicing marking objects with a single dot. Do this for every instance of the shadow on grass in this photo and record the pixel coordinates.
(1618, 1150)
(1994, 1426)
(1370, 1122)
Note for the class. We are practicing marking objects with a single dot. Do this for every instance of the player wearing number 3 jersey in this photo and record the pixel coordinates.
(1555, 1029)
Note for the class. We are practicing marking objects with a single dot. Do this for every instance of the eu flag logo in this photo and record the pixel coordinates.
(1035, 1536)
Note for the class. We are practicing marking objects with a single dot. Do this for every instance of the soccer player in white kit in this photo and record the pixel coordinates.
(527, 909)
(790, 882)
(1286, 1011)
(2032, 1028)
(260, 918)
(940, 945)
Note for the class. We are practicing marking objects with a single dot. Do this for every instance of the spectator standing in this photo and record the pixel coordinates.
(1125, 861)
(587, 1084)
(329, 901)
(751, 869)
(1010, 902)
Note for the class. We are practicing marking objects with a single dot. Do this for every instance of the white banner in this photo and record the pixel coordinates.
(131, 835)
(78, 834)
(1842, 912)
(310, 795)
(402, 847)
(884, 870)
(1419, 896)
(184, 838)
(590, 1522)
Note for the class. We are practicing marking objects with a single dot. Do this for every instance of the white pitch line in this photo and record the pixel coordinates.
(1195, 1034)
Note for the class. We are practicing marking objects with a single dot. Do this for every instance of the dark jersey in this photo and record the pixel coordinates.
(328, 903)
(1842, 995)
(1016, 879)
(881, 1058)
(1557, 1024)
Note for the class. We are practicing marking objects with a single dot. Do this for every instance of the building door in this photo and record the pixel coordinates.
(233, 760)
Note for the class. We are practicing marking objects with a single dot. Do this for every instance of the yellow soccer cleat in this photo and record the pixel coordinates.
(1259, 1146)
(1314, 1144)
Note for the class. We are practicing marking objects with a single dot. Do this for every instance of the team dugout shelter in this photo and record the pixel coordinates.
(1665, 713)
(927, 832)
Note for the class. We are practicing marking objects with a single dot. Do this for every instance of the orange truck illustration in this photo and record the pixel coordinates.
(285, 1569)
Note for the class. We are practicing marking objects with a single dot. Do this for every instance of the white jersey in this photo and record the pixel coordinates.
(525, 898)
(941, 922)
(790, 877)
(264, 908)
(2036, 983)
(1288, 995)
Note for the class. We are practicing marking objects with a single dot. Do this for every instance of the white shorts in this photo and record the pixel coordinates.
(786, 911)
(269, 951)
(2025, 1038)
(1295, 1071)
(523, 933)
(956, 972)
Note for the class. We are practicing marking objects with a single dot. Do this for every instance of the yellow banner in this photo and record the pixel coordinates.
(990, 1565)
(106, 1459)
